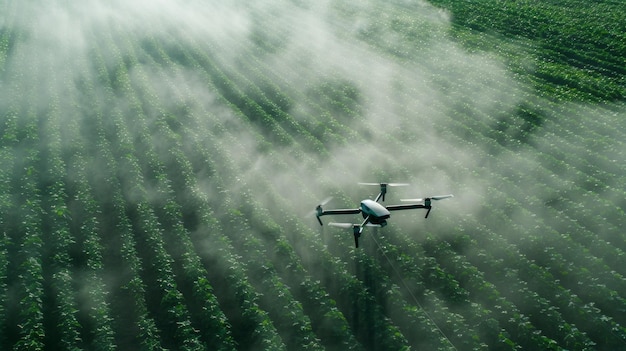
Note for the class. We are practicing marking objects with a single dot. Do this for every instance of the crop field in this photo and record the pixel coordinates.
(160, 162)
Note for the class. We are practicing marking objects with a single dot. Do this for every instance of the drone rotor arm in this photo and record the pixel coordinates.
(426, 203)
(441, 197)
(342, 211)
(405, 207)
(319, 212)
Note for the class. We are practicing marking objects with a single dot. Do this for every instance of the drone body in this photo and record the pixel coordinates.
(374, 213)
(377, 213)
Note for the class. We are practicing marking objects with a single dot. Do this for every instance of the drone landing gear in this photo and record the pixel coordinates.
(357, 230)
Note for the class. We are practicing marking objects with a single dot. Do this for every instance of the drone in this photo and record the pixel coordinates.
(374, 213)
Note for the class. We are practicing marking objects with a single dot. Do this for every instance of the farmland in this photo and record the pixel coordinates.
(160, 161)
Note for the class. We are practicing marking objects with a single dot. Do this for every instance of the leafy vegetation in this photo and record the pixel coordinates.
(159, 160)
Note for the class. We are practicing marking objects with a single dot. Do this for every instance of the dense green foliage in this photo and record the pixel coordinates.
(574, 45)
(159, 161)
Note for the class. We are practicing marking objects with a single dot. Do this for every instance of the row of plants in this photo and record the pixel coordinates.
(63, 328)
(129, 291)
(194, 197)
(23, 323)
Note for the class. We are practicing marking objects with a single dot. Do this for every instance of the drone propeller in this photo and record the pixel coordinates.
(428, 200)
(412, 200)
(342, 225)
(387, 184)
(383, 188)
(325, 201)
(437, 197)
(318, 210)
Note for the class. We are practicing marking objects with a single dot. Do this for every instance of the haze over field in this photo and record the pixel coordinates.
(403, 105)
(368, 92)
